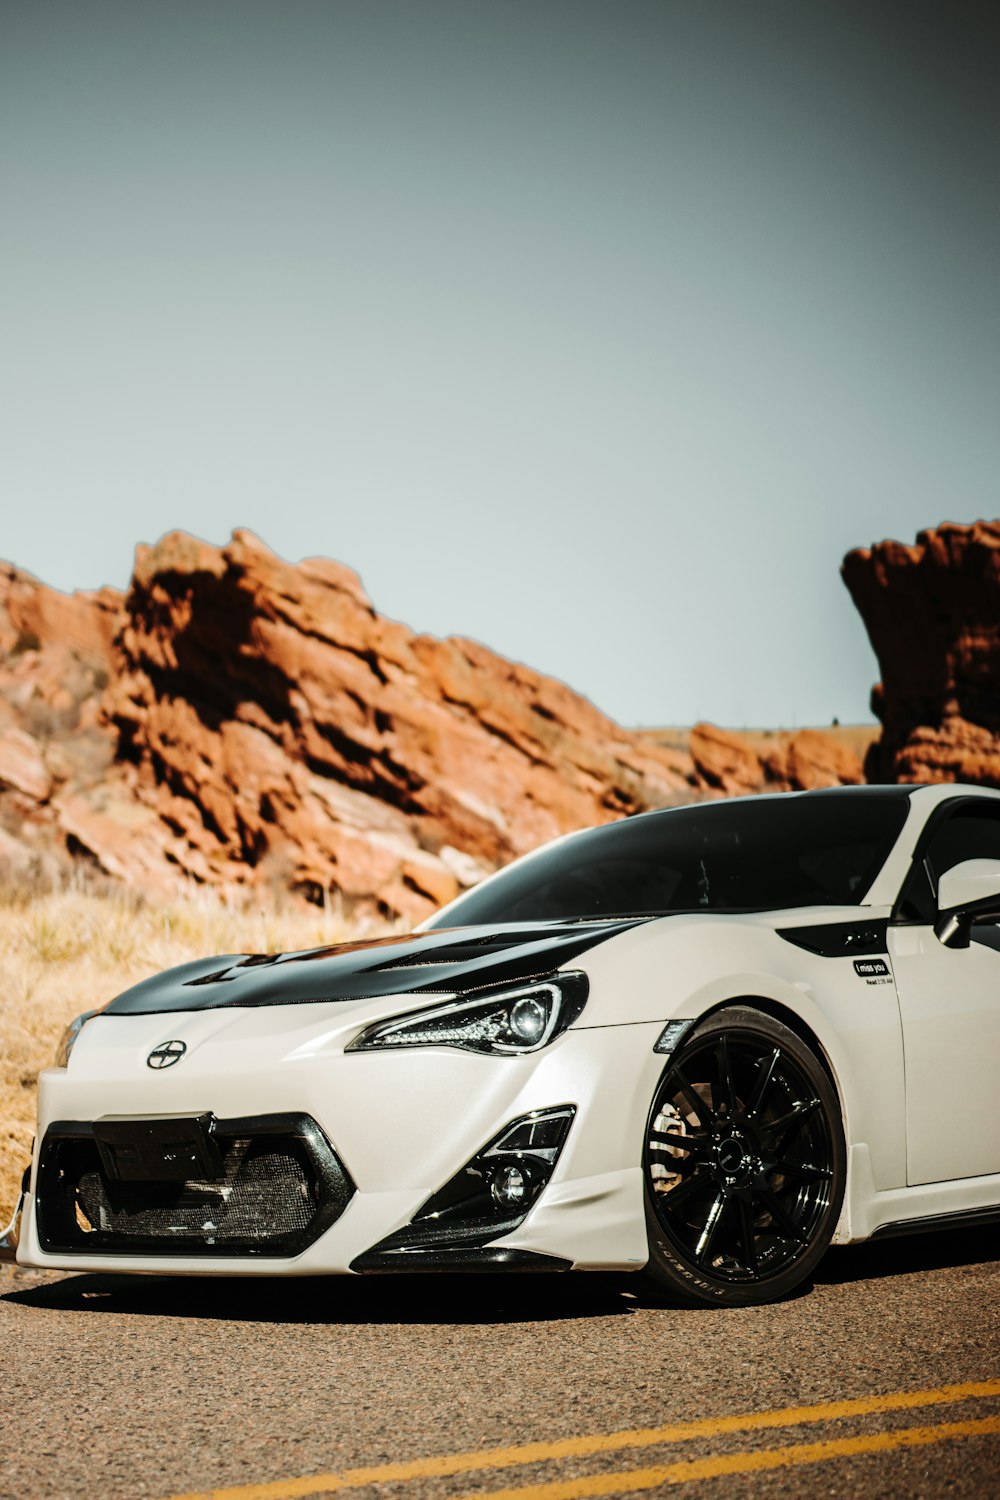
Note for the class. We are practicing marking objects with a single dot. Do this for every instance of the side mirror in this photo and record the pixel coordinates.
(967, 893)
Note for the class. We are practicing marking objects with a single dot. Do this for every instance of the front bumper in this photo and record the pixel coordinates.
(402, 1123)
(10, 1236)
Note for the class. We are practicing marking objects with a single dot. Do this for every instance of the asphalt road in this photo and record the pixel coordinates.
(124, 1387)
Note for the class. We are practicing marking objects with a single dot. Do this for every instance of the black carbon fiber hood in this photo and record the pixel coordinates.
(445, 960)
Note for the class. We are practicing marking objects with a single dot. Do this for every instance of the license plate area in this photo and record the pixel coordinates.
(175, 1148)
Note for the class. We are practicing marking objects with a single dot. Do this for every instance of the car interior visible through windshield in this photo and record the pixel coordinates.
(758, 854)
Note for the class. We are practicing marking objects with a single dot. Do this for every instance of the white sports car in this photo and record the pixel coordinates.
(701, 1043)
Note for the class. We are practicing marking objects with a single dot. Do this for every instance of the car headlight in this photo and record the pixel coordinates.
(68, 1039)
(507, 1022)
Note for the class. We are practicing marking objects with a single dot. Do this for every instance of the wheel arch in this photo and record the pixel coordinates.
(790, 1018)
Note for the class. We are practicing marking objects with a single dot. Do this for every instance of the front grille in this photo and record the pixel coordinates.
(275, 1187)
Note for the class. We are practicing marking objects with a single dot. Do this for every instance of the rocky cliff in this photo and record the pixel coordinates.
(57, 659)
(239, 721)
(932, 612)
(737, 763)
(270, 717)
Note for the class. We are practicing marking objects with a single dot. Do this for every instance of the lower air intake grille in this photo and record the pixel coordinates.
(273, 1185)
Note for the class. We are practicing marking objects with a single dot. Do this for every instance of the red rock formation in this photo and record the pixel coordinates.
(56, 659)
(724, 761)
(932, 612)
(275, 723)
(33, 615)
(810, 759)
(736, 764)
(241, 721)
(22, 765)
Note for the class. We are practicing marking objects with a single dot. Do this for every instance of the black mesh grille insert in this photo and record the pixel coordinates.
(279, 1185)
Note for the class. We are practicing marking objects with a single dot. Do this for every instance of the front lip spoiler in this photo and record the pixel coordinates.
(486, 1258)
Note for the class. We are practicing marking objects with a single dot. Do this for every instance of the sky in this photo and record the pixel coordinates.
(598, 332)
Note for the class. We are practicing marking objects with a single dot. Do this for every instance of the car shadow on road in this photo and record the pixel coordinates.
(440, 1299)
(481, 1299)
(908, 1254)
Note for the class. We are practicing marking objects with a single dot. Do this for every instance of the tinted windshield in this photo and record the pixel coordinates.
(754, 855)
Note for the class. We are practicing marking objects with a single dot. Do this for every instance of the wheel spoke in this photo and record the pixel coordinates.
(804, 1172)
(698, 1104)
(684, 1190)
(710, 1230)
(764, 1075)
(781, 1131)
(726, 1084)
(747, 1235)
(781, 1220)
(690, 1143)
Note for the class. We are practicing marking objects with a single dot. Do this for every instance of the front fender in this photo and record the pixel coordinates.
(686, 967)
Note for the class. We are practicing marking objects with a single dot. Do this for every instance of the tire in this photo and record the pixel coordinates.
(744, 1164)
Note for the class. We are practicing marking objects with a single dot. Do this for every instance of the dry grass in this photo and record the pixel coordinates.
(69, 950)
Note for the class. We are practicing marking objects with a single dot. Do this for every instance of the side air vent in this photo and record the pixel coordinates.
(839, 939)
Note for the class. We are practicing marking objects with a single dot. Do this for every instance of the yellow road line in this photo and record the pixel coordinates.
(633, 1480)
(580, 1447)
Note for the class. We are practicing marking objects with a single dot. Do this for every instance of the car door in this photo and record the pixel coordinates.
(949, 1002)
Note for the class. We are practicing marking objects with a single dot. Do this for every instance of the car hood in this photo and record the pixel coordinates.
(439, 962)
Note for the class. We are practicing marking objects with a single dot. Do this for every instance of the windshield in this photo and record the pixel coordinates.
(758, 854)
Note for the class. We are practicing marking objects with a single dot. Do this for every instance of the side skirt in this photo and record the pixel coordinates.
(969, 1219)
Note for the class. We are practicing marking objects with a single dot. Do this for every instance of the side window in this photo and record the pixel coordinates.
(972, 831)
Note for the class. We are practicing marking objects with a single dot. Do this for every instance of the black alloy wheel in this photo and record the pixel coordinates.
(744, 1163)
